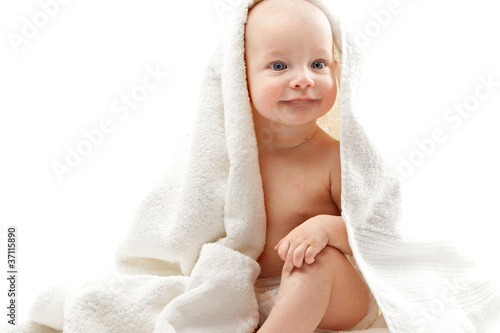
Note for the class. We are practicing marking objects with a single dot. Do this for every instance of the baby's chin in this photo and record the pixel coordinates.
(299, 115)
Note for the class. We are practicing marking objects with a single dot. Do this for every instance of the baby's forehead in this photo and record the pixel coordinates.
(291, 9)
(277, 15)
(271, 19)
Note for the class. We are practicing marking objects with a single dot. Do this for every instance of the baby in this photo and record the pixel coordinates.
(306, 281)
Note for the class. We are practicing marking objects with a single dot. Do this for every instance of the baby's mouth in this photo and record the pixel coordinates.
(299, 102)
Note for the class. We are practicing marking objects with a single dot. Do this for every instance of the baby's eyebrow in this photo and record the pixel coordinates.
(279, 52)
(324, 51)
(274, 53)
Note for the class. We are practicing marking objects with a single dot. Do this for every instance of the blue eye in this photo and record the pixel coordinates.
(318, 64)
(279, 66)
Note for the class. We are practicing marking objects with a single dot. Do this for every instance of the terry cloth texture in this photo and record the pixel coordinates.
(188, 262)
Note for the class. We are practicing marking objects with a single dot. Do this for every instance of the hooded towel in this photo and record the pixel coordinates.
(188, 262)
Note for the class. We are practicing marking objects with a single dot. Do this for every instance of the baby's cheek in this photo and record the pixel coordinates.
(273, 91)
(267, 100)
(271, 95)
(329, 91)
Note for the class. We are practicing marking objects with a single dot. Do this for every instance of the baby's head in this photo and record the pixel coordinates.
(289, 54)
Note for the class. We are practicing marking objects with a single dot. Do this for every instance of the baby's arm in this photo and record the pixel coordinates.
(303, 243)
(337, 232)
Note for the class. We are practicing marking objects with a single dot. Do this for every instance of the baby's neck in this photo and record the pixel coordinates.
(285, 137)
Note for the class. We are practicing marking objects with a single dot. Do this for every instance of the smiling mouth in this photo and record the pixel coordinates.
(300, 101)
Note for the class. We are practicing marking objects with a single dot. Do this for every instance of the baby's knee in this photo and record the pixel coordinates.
(329, 259)
(326, 263)
(328, 255)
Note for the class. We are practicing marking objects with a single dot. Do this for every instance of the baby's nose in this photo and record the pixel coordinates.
(302, 79)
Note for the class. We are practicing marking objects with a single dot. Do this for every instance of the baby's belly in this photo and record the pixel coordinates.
(278, 226)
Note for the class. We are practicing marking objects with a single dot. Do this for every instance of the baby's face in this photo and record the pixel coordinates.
(289, 56)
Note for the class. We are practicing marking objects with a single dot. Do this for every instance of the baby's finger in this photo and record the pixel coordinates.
(283, 250)
(299, 254)
(289, 258)
(311, 252)
(278, 245)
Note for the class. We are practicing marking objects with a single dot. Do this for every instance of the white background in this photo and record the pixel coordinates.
(425, 58)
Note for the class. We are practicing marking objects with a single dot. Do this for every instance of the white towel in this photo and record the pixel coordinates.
(188, 262)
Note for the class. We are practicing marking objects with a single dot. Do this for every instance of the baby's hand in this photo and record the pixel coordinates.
(302, 244)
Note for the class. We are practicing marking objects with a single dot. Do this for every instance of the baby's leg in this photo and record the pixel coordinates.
(327, 294)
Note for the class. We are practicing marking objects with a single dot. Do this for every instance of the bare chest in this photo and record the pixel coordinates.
(293, 193)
